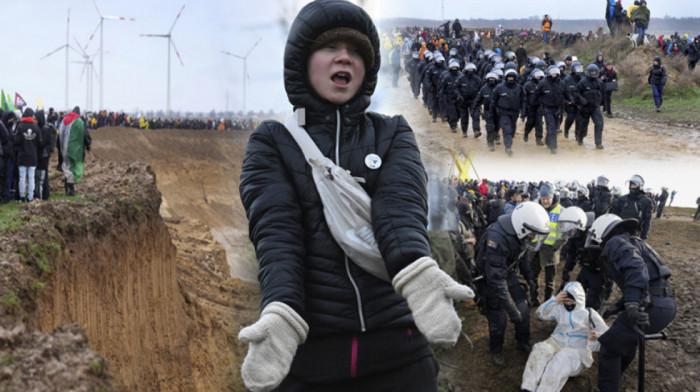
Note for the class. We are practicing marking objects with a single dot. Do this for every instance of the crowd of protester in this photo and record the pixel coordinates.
(123, 119)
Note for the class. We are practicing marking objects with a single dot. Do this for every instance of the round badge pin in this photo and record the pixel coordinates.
(373, 161)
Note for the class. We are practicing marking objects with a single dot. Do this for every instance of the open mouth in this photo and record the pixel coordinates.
(341, 78)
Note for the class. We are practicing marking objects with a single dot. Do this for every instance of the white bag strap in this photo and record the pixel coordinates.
(307, 145)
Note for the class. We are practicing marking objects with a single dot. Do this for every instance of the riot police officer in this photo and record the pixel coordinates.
(570, 107)
(448, 90)
(589, 94)
(498, 259)
(551, 94)
(647, 302)
(635, 205)
(533, 112)
(484, 98)
(508, 99)
(469, 85)
(591, 273)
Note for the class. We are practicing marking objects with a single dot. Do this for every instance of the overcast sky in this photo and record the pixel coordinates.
(135, 67)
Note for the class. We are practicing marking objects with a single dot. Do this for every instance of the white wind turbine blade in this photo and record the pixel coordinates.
(176, 52)
(176, 19)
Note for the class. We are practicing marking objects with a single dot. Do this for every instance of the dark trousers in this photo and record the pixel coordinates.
(660, 210)
(549, 272)
(619, 343)
(584, 116)
(395, 76)
(570, 116)
(492, 126)
(465, 113)
(508, 123)
(607, 99)
(550, 118)
(4, 178)
(415, 85)
(658, 91)
(496, 316)
(416, 377)
(534, 119)
(451, 111)
(592, 282)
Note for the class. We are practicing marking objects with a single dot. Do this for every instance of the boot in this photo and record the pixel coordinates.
(71, 190)
(498, 359)
(477, 134)
(65, 186)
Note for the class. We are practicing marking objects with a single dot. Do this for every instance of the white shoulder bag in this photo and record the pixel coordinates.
(346, 206)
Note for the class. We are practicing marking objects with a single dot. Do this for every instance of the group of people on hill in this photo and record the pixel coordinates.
(458, 85)
(28, 140)
(331, 320)
(123, 119)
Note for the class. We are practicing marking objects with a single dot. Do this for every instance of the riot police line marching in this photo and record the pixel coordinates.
(457, 85)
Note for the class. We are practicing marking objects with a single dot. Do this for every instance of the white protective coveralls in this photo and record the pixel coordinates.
(567, 352)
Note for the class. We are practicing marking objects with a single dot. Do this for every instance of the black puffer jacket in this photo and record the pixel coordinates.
(300, 263)
(657, 75)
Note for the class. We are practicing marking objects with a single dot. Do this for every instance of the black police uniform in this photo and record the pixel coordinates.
(643, 277)
(533, 112)
(570, 107)
(451, 98)
(602, 200)
(469, 85)
(507, 101)
(551, 93)
(412, 66)
(589, 94)
(590, 275)
(492, 126)
(635, 205)
(499, 257)
(434, 75)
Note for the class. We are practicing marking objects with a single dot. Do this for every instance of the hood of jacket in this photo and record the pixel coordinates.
(658, 59)
(576, 290)
(313, 20)
(40, 118)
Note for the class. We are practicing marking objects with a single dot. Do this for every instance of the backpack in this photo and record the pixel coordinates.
(346, 205)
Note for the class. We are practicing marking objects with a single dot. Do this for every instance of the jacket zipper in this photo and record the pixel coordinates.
(347, 262)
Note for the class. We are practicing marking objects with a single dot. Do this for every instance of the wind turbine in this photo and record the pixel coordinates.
(245, 67)
(64, 46)
(170, 43)
(90, 67)
(102, 45)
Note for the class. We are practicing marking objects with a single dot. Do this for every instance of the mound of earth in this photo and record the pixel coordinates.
(60, 360)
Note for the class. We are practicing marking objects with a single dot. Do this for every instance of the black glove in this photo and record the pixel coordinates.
(636, 316)
(565, 277)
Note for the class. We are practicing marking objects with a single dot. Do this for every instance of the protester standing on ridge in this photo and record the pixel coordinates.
(640, 18)
(546, 28)
(27, 145)
(71, 134)
(327, 324)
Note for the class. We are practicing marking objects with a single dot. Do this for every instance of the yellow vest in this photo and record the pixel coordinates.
(553, 235)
